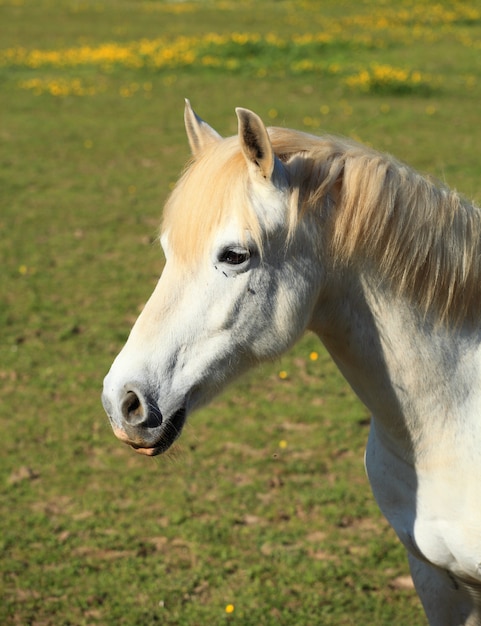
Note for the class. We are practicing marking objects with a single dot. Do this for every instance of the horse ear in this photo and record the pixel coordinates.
(199, 133)
(255, 142)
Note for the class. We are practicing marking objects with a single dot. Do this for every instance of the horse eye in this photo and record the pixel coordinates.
(234, 257)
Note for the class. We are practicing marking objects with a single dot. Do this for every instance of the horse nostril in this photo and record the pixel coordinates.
(132, 409)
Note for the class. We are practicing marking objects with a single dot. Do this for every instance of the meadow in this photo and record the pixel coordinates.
(262, 513)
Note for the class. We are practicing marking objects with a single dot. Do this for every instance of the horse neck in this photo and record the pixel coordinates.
(411, 373)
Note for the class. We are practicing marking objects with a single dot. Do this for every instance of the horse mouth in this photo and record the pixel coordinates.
(145, 451)
(165, 436)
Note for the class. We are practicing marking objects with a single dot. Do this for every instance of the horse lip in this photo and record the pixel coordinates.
(146, 451)
(169, 433)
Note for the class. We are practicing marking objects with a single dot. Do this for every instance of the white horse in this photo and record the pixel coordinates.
(272, 232)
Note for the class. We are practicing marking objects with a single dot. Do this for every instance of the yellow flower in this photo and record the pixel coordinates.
(229, 608)
(283, 444)
(282, 374)
(313, 356)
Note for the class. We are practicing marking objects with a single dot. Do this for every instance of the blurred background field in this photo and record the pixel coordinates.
(261, 514)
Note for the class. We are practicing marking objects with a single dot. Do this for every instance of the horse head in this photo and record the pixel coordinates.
(238, 286)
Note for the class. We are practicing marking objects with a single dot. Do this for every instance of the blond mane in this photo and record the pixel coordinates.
(423, 238)
(213, 189)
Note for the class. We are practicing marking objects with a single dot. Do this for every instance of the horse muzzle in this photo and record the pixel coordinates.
(137, 420)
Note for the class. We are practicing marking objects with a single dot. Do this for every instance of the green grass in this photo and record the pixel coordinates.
(286, 532)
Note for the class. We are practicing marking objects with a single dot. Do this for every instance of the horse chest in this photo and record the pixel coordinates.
(435, 508)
